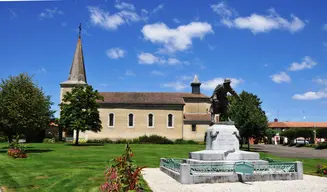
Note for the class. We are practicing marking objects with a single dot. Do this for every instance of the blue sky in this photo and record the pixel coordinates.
(275, 49)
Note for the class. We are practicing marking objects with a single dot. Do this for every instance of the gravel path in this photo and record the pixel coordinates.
(291, 152)
(160, 182)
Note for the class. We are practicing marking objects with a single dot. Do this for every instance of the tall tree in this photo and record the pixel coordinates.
(24, 107)
(79, 110)
(248, 115)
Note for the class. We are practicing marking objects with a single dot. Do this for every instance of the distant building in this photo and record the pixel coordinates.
(127, 115)
(281, 126)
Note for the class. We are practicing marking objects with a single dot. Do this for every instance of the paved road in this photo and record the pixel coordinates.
(291, 152)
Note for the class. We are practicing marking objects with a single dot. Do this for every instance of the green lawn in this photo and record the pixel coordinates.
(58, 167)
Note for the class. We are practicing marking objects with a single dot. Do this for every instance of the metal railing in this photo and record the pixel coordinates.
(276, 167)
(173, 164)
(212, 169)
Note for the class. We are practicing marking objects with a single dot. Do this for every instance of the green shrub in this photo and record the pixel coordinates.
(102, 141)
(321, 146)
(155, 139)
(182, 141)
(48, 140)
(3, 139)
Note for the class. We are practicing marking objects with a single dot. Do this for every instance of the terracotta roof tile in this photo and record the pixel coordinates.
(297, 124)
(197, 117)
(147, 97)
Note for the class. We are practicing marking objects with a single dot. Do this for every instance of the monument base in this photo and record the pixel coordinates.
(222, 161)
(218, 155)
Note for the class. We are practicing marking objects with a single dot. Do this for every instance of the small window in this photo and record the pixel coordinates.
(111, 119)
(170, 120)
(150, 120)
(130, 120)
(193, 127)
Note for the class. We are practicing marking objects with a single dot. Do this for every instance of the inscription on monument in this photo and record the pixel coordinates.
(226, 140)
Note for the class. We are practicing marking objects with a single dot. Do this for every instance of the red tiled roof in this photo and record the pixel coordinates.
(197, 117)
(147, 97)
(297, 124)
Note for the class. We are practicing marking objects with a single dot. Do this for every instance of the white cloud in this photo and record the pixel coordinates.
(280, 77)
(115, 53)
(320, 81)
(63, 24)
(324, 27)
(144, 11)
(13, 13)
(178, 39)
(307, 63)
(103, 19)
(324, 44)
(42, 70)
(176, 20)
(148, 58)
(157, 73)
(211, 84)
(124, 5)
(223, 10)
(129, 73)
(50, 13)
(185, 77)
(310, 95)
(159, 7)
(178, 85)
(173, 61)
(103, 85)
(257, 23)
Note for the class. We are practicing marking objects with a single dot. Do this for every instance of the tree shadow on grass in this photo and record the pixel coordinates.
(8, 147)
(85, 144)
(31, 150)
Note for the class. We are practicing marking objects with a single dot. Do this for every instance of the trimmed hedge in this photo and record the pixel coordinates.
(321, 146)
(152, 139)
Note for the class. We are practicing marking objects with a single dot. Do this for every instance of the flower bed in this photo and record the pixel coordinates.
(322, 169)
(17, 150)
(17, 153)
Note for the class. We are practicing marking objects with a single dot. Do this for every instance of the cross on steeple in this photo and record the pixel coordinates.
(80, 30)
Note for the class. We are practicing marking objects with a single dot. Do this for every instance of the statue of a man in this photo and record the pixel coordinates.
(219, 100)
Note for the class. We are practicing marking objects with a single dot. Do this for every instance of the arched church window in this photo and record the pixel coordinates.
(150, 120)
(111, 120)
(131, 120)
(170, 121)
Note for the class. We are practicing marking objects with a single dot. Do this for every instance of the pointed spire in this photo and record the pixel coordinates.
(196, 80)
(196, 85)
(77, 73)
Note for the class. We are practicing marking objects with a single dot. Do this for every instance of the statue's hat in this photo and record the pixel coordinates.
(227, 80)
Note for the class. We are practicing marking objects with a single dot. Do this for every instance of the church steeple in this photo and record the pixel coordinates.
(196, 85)
(77, 70)
(77, 73)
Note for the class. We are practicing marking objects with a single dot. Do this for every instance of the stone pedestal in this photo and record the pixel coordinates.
(222, 143)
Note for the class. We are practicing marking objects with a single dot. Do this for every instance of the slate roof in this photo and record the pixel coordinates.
(147, 97)
(197, 117)
(297, 124)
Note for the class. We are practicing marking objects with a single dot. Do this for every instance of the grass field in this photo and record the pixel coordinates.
(58, 167)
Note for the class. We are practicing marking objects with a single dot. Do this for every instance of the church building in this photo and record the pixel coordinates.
(128, 115)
